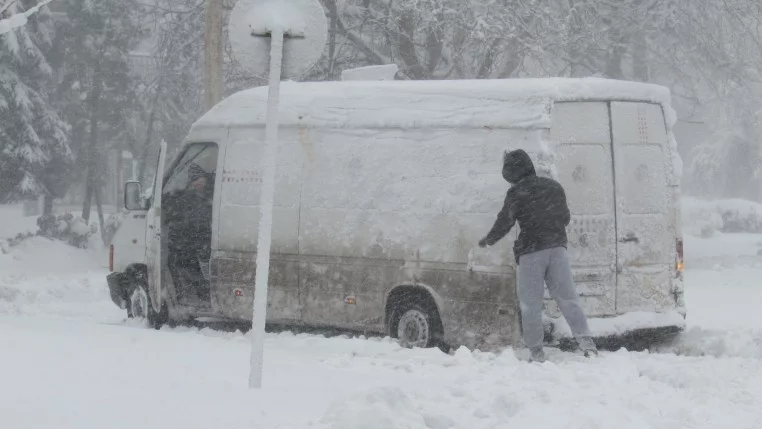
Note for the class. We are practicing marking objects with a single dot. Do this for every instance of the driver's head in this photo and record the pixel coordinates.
(199, 185)
(197, 178)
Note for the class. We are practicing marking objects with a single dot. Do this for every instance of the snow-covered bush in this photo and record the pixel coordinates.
(5, 245)
(737, 221)
(110, 226)
(66, 227)
(700, 218)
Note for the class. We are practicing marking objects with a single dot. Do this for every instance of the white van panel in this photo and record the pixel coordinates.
(638, 123)
(242, 171)
(586, 173)
(129, 241)
(643, 208)
(643, 179)
(239, 229)
(581, 122)
(432, 193)
(241, 183)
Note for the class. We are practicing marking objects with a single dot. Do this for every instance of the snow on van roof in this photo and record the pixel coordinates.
(497, 103)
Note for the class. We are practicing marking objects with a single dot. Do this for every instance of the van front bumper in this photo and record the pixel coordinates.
(118, 291)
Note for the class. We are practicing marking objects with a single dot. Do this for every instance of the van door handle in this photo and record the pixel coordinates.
(630, 238)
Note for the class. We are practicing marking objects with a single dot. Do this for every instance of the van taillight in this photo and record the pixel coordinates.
(680, 258)
(111, 258)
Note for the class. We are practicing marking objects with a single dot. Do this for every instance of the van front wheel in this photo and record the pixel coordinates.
(140, 308)
(414, 328)
(137, 307)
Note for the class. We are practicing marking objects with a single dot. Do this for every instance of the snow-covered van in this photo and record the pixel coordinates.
(384, 189)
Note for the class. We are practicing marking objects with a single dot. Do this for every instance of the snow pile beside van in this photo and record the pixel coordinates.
(41, 276)
(700, 218)
(703, 218)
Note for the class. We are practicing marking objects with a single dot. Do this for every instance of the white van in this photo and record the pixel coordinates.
(384, 189)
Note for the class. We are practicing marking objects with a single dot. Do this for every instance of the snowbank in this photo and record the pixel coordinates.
(723, 251)
(65, 225)
(46, 277)
(13, 221)
(186, 379)
(700, 218)
(707, 247)
(703, 218)
(723, 315)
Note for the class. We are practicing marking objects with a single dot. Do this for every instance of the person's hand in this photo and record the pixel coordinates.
(483, 242)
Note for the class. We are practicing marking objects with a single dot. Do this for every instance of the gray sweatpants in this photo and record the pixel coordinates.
(549, 266)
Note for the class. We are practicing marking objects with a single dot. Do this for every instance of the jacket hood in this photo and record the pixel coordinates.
(517, 165)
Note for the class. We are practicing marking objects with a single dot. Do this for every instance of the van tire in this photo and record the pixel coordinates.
(416, 326)
(414, 305)
(140, 305)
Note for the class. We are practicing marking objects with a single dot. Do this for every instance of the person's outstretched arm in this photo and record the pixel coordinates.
(503, 224)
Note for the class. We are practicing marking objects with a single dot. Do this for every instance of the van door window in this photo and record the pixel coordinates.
(198, 159)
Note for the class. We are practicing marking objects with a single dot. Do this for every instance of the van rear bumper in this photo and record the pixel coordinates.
(117, 290)
(634, 331)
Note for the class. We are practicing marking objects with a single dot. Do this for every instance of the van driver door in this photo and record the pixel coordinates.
(154, 233)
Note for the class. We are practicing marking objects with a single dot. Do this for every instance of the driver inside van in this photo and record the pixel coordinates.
(189, 217)
(197, 181)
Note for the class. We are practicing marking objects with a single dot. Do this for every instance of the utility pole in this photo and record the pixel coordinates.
(213, 53)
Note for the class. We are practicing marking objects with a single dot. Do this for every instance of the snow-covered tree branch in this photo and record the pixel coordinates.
(19, 19)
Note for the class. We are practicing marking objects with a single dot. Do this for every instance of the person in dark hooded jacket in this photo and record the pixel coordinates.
(539, 206)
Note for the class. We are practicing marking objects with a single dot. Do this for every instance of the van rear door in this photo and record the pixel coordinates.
(581, 132)
(645, 231)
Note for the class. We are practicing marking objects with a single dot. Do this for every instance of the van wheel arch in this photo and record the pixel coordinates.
(415, 299)
(137, 272)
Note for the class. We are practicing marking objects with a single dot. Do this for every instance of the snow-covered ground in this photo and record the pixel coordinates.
(68, 359)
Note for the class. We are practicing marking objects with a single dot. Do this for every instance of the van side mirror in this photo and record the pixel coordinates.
(132, 196)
